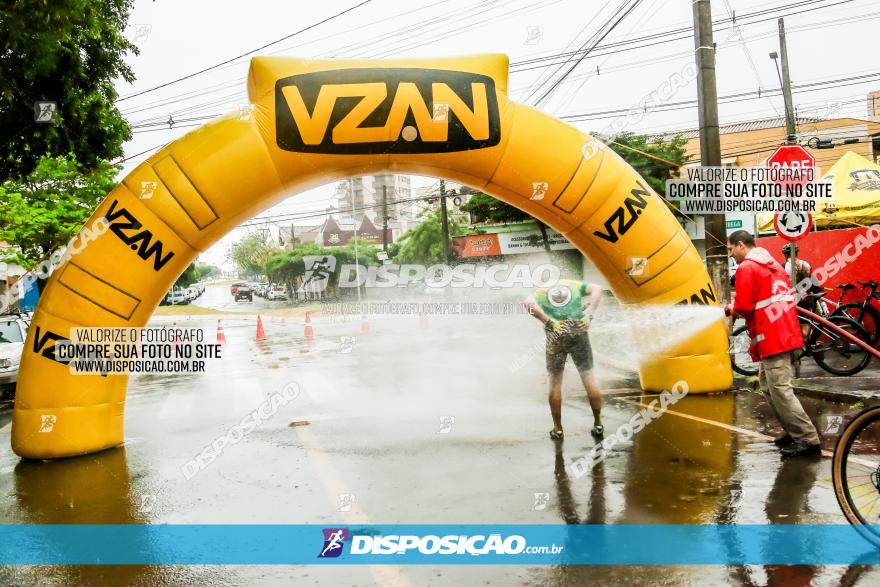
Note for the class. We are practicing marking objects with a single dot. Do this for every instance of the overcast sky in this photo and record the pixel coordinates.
(827, 40)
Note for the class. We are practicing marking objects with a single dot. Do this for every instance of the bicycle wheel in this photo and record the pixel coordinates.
(870, 318)
(740, 359)
(855, 472)
(835, 353)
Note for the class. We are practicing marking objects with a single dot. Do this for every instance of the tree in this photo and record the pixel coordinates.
(69, 52)
(424, 243)
(252, 252)
(46, 209)
(655, 172)
(206, 271)
(485, 208)
(195, 273)
(287, 266)
(189, 276)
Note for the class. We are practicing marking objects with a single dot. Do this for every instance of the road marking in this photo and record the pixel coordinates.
(705, 421)
(391, 575)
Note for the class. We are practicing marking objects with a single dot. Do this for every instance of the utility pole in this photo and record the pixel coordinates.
(790, 128)
(292, 237)
(384, 217)
(357, 261)
(444, 222)
(710, 143)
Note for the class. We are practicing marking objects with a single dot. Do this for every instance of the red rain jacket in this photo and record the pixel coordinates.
(765, 299)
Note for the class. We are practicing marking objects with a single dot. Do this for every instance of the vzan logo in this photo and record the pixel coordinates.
(388, 110)
(141, 241)
(44, 337)
(622, 219)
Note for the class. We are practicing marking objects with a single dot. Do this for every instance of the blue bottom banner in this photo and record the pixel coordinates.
(524, 544)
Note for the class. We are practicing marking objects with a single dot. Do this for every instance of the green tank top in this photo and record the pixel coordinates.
(563, 301)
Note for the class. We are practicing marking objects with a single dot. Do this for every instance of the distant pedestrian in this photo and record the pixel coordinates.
(761, 282)
(804, 271)
(566, 310)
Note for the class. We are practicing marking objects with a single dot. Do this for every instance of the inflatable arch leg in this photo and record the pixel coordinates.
(315, 122)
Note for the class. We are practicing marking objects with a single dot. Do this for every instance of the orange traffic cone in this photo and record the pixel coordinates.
(261, 334)
(221, 338)
(365, 326)
(309, 333)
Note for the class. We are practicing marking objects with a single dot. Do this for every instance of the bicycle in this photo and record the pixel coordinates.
(855, 465)
(855, 472)
(863, 312)
(832, 351)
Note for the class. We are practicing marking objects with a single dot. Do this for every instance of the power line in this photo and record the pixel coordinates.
(736, 97)
(516, 64)
(686, 34)
(593, 41)
(284, 38)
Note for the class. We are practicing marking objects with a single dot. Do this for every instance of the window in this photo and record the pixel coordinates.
(10, 332)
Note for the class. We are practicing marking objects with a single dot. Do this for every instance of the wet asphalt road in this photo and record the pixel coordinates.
(438, 423)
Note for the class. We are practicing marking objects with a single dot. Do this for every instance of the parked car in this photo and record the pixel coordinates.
(277, 294)
(13, 331)
(244, 293)
(176, 297)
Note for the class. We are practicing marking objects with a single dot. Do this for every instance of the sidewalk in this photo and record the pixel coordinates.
(620, 379)
(818, 383)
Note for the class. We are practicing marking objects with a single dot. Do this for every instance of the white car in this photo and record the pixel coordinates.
(277, 294)
(13, 331)
(176, 297)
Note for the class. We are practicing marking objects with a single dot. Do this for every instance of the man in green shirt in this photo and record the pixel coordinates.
(566, 310)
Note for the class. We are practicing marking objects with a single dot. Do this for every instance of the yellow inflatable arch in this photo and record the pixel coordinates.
(315, 122)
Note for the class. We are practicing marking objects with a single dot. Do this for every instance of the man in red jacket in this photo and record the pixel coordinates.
(761, 283)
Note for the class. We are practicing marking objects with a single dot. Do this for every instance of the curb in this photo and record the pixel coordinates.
(821, 392)
(842, 396)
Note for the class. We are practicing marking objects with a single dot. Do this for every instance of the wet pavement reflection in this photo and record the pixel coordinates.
(409, 424)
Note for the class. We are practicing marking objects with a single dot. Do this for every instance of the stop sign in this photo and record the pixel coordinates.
(792, 157)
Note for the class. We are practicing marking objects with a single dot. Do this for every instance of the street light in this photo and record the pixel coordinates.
(775, 56)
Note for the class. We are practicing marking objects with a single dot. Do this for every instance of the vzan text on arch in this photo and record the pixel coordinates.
(390, 110)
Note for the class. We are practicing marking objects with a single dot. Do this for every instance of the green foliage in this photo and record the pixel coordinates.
(286, 266)
(655, 172)
(206, 271)
(45, 209)
(69, 52)
(424, 243)
(485, 208)
(252, 252)
(195, 273)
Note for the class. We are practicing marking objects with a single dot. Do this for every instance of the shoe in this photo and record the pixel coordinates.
(784, 440)
(801, 449)
(556, 434)
(598, 431)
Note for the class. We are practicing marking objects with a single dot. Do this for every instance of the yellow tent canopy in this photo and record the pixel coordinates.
(855, 191)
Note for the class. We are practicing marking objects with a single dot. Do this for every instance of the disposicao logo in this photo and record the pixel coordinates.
(334, 541)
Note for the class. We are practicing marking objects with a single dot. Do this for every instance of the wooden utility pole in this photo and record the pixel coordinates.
(790, 127)
(384, 217)
(444, 222)
(710, 143)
